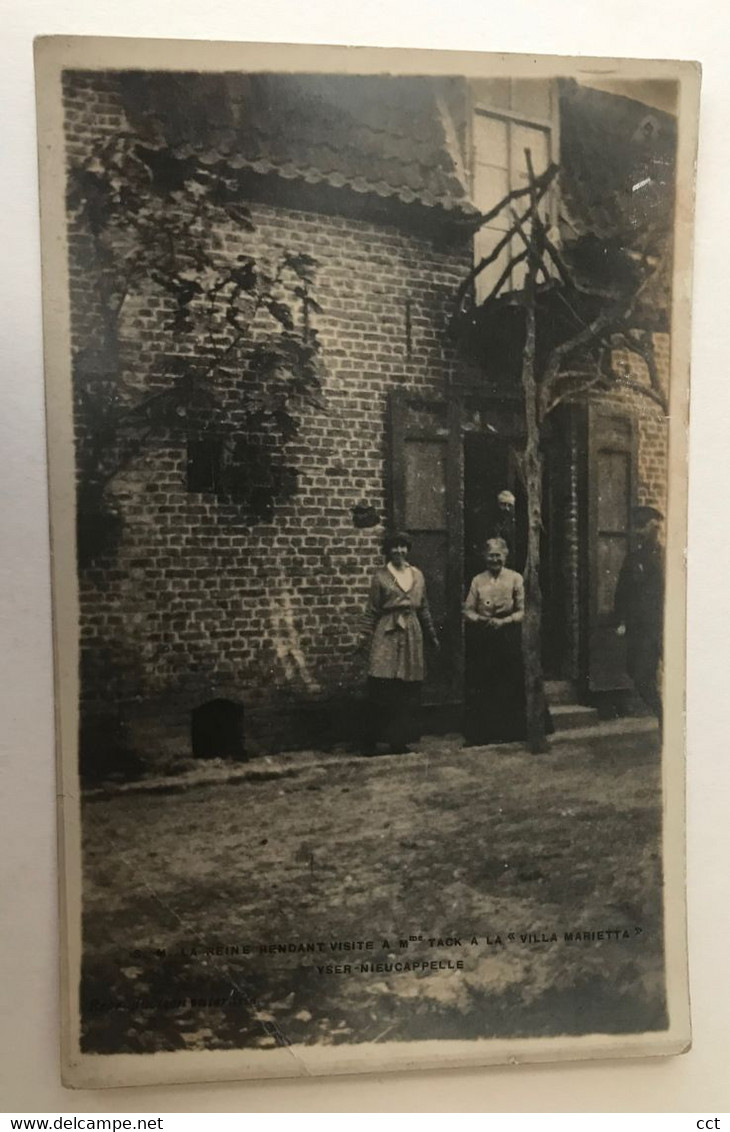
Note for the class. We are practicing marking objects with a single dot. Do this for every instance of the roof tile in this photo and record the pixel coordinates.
(378, 134)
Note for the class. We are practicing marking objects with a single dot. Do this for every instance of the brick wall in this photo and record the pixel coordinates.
(195, 603)
(653, 434)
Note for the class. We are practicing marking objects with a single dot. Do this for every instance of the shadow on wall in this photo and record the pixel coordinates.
(106, 751)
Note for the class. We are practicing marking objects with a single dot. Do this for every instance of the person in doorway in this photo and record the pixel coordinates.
(495, 687)
(639, 606)
(494, 518)
(505, 526)
(396, 620)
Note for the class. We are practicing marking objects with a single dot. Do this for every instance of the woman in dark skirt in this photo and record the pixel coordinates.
(396, 618)
(495, 686)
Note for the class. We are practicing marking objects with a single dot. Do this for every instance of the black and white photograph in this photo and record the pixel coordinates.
(367, 394)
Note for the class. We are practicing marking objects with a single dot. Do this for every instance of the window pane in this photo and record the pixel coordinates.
(534, 139)
(492, 92)
(484, 241)
(490, 187)
(490, 141)
(519, 271)
(425, 476)
(531, 97)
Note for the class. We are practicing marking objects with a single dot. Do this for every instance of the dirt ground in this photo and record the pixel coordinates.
(271, 905)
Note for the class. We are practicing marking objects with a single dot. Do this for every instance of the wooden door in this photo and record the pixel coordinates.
(611, 484)
(426, 500)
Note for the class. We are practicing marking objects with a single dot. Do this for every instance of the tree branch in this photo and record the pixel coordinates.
(499, 247)
(645, 351)
(645, 390)
(479, 268)
(504, 276)
(532, 245)
(557, 259)
(116, 312)
(583, 338)
(573, 391)
(540, 186)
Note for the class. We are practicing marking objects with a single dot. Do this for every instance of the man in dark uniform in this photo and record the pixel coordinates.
(639, 606)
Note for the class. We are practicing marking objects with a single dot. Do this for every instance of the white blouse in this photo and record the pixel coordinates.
(503, 596)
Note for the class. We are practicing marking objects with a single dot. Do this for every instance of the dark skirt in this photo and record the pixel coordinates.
(392, 713)
(495, 685)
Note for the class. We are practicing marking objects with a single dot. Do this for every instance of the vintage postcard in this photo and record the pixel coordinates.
(367, 381)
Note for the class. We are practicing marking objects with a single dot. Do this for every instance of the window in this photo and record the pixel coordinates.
(245, 470)
(204, 464)
(510, 116)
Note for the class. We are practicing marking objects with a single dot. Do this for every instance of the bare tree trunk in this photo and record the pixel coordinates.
(532, 467)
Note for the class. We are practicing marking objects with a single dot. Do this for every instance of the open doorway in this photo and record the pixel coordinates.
(491, 466)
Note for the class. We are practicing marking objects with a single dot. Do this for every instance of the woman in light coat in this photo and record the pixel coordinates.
(396, 619)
